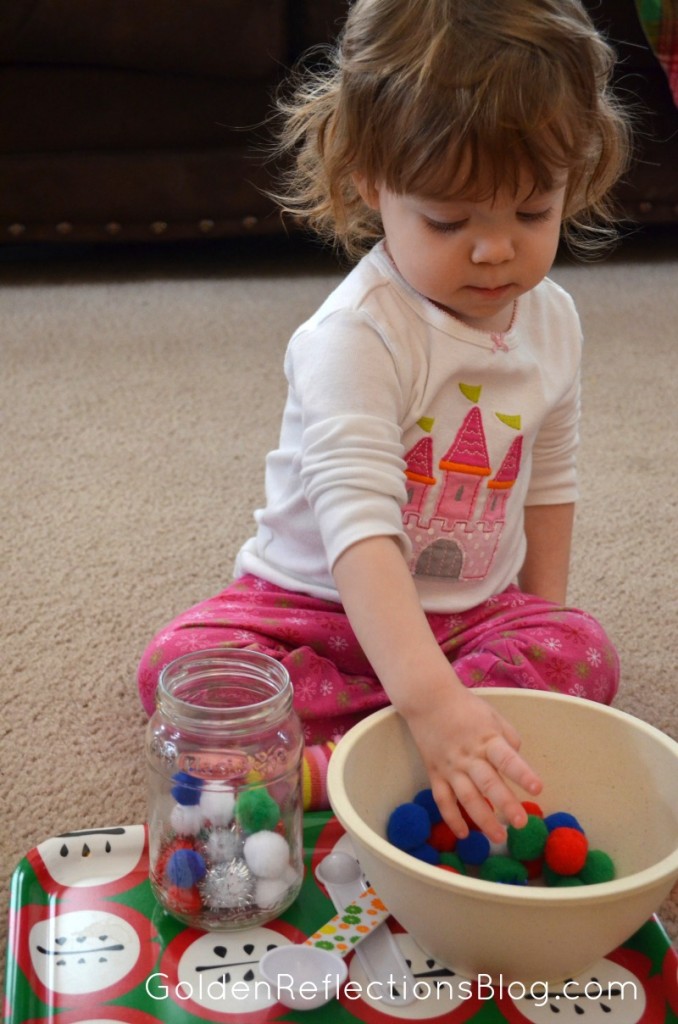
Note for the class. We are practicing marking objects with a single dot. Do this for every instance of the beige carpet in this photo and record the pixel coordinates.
(139, 395)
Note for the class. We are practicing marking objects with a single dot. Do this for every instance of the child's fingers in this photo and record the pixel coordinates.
(510, 765)
(512, 735)
(470, 789)
(503, 762)
(488, 776)
(504, 804)
(448, 806)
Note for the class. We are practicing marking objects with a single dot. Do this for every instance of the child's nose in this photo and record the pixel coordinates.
(493, 248)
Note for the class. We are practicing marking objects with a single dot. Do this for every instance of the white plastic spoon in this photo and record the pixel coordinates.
(303, 977)
(308, 975)
(379, 955)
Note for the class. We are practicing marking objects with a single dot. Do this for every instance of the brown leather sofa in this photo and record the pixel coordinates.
(145, 120)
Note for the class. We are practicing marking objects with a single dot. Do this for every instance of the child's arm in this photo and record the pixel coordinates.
(545, 571)
(467, 748)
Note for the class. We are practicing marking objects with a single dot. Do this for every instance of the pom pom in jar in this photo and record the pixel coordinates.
(256, 811)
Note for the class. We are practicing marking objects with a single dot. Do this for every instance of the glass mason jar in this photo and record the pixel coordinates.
(224, 750)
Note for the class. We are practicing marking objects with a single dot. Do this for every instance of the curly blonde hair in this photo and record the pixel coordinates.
(425, 95)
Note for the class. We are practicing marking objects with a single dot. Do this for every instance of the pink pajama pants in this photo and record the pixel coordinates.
(513, 639)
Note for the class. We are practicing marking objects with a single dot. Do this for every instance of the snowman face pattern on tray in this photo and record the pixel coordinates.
(618, 989)
(103, 858)
(440, 994)
(103, 949)
(215, 975)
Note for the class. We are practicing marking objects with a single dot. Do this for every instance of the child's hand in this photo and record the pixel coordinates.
(469, 750)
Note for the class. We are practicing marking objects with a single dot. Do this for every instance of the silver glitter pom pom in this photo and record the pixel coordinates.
(228, 886)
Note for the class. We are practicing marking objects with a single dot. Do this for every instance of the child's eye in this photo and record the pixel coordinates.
(536, 216)
(444, 227)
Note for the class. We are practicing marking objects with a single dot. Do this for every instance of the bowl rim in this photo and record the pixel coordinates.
(405, 864)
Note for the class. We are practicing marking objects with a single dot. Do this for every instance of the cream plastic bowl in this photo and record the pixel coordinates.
(617, 774)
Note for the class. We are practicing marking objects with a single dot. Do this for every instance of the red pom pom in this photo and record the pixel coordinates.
(534, 867)
(532, 808)
(183, 901)
(442, 837)
(448, 867)
(167, 851)
(566, 850)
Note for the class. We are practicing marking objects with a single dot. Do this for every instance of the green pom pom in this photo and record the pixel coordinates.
(453, 860)
(599, 867)
(551, 877)
(504, 869)
(255, 810)
(527, 843)
(566, 881)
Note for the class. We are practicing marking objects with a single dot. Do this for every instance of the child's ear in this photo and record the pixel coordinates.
(369, 193)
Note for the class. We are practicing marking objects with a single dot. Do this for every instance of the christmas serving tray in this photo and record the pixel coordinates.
(90, 945)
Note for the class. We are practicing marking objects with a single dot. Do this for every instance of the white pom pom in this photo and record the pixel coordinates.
(290, 875)
(269, 891)
(186, 819)
(217, 806)
(499, 849)
(267, 854)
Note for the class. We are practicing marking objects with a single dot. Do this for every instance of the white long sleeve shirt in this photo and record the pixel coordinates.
(401, 420)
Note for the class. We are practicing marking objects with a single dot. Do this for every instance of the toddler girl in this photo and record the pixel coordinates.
(416, 535)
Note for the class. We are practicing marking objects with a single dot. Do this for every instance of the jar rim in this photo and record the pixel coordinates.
(196, 673)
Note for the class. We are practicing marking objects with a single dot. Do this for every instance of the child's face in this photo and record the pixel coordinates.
(472, 257)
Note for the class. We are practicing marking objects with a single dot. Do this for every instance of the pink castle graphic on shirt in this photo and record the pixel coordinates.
(459, 539)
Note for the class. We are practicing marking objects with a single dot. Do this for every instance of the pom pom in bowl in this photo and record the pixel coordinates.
(620, 774)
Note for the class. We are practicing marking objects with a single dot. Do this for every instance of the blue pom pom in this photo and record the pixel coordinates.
(408, 826)
(427, 853)
(186, 789)
(424, 798)
(185, 868)
(475, 849)
(561, 819)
